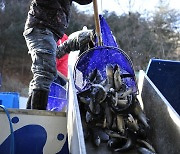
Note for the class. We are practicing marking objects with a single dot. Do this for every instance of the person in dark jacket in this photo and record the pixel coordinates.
(45, 24)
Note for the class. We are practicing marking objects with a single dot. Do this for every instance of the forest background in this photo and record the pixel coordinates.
(141, 35)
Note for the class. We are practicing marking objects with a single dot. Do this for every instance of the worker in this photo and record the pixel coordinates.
(45, 24)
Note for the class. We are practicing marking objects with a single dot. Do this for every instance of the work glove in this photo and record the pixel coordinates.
(76, 41)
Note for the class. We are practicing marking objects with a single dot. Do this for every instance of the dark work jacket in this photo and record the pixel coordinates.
(52, 14)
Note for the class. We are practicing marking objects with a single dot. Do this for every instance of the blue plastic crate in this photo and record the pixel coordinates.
(57, 90)
(9, 99)
(57, 99)
(56, 104)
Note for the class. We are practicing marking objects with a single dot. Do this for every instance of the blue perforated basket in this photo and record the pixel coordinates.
(57, 99)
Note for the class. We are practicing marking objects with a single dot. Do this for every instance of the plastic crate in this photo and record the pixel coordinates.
(9, 99)
(57, 99)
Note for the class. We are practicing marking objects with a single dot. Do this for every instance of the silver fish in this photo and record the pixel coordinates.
(124, 94)
(125, 110)
(88, 117)
(109, 73)
(138, 112)
(108, 117)
(98, 93)
(117, 78)
(120, 124)
(131, 123)
(146, 145)
(95, 136)
(114, 143)
(143, 150)
(128, 145)
(114, 134)
(119, 102)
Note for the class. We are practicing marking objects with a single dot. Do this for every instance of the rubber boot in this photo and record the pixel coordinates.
(28, 105)
(39, 99)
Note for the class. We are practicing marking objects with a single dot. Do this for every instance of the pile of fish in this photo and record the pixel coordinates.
(111, 113)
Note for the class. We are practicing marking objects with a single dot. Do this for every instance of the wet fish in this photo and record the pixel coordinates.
(130, 142)
(142, 150)
(85, 92)
(131, 123)
(98, 93)
(85, 100)
(146, 145)
(124, 94)
(103, 135)
(114, 134)
(95, 136)
(108, 116)
(88, 117)
(127, 146)
(94, 108)
(99, 77)
(117, 78)
(92, 75)
(114, 143)
(120, 124)
(125, 110)
(110, 75)
(138, 112)
(120, 102)
(95, 77)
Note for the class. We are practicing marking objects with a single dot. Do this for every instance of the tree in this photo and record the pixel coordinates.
(166, 28)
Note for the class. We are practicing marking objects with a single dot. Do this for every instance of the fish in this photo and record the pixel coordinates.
(120, 124)
(94, 108)
(98, 93)
(125, 110)
(130, 142)
(119, 102)
(84, 93)
(114, 134)
(117, 78)
(85, 100)
(146, 145)
(142, 150)
(108, 117)
(95, 136)
(138, 112)
(104, 137)
(127, 146)
(114, 143)
(124, 94)
(131, 123)
(99, 78)
(110, 74)
(92, 75)
(88, 117)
